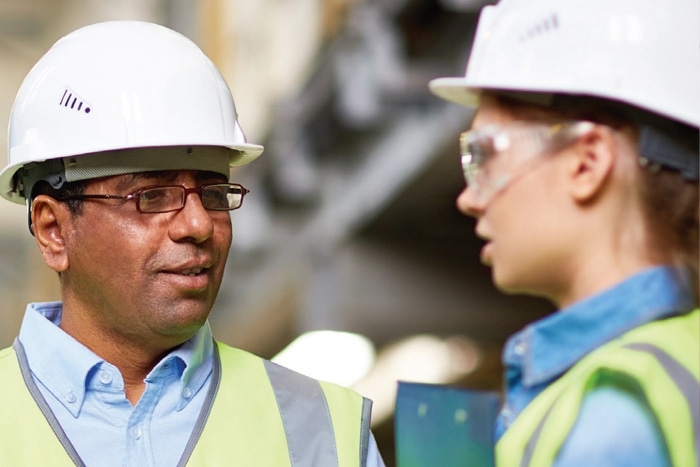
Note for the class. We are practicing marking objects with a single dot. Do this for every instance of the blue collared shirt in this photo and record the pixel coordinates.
(86, 394)
(536, 356)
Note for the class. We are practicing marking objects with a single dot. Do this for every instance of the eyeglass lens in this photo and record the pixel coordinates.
(219, 197)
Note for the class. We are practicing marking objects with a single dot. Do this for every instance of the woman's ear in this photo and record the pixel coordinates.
(591, 164)
(49, 218)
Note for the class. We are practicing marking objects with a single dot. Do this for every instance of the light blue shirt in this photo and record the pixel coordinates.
(613, 428)
(86, 394)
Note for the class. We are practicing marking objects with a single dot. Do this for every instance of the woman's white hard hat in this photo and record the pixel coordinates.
(120, 85)
(640, 52)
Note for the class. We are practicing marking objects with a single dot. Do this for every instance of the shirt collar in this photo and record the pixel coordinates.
(552, 345)
(63, 365)
(197, 356)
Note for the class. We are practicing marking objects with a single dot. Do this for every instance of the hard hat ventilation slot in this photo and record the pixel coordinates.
(70, 100)
(544, 26)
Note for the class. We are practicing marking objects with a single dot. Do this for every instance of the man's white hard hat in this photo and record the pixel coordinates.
(645, 53)
(120, 85)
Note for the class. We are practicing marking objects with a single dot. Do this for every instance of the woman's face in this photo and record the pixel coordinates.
(522, 218)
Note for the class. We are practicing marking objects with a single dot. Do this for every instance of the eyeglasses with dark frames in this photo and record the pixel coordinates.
(168, 198)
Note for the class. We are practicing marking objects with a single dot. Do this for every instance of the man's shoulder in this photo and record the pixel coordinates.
(234, 360)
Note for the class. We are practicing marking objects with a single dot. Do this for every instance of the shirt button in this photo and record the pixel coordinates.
(105, 377)
(520, 348)
(135, 432)
(70, 397)
(186, 393)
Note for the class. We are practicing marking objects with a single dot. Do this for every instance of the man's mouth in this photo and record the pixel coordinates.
(191, 272)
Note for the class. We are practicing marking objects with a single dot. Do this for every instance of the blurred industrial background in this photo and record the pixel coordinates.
(351, 224)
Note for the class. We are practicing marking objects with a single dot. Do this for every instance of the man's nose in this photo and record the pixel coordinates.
(193, 221)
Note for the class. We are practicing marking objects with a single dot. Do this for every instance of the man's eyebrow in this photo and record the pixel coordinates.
(167, 176)
(206, 175)
(129, 179)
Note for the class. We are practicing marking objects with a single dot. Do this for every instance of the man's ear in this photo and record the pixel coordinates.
(591, 163)
(49, 218)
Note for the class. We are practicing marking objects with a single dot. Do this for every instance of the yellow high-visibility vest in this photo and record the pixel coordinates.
(259, 413)
(661, 359)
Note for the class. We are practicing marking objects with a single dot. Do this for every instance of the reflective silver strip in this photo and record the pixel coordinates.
(534, 439)
(206, 408)
(43, 405)
(365, 431)
(305, 417)
(683, 379)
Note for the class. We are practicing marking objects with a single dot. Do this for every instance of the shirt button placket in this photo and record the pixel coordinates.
(135, 432)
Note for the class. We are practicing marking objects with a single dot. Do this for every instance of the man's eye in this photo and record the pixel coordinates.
(216, 197)
(159, 198)
(152, 195)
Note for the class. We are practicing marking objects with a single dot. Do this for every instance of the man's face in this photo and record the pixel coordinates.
(143, 277)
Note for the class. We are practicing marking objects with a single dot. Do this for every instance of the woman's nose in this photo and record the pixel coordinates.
(468, 203)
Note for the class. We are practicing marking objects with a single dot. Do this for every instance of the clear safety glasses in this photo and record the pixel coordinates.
(516, 145)
(168, 198)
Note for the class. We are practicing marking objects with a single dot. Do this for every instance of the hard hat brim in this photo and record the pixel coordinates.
(455, 89)
(248, 152)
(243, 154)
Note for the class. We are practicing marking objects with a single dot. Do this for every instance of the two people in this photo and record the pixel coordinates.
(581, 169)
